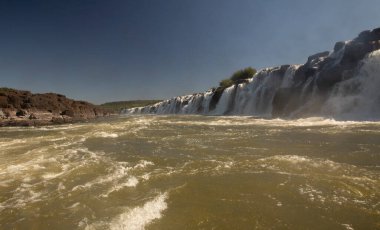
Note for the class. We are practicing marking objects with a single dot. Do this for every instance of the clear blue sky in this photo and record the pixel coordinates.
(110, 50)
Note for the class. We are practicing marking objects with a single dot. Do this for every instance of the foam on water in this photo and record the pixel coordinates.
(23, 195)
(35, 169)
(246, 120)
(118, 177)
(8, 142)
(348, 226)
(131, 182)
(143, 164)
(139, 217)
(301, 164)
(107, 135)
(118, 171)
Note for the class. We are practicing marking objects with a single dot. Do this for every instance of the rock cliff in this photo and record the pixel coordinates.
(24, 108)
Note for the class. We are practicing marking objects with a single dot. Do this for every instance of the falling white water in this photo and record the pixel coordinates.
(224, 101)
(288, 80)
(352, 99)
(206, 101)
(251, 98)
(359, 97)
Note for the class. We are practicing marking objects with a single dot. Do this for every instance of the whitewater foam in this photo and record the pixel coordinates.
(139, 217)
(107, 135)
(143, 164)
(131, 182)
(249, 120)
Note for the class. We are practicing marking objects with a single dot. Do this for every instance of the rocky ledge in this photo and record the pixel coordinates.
(23, 108)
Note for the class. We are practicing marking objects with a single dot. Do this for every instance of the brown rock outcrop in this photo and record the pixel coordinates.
(24, 108)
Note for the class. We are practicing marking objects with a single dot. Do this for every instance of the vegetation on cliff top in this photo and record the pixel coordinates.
(237, 77)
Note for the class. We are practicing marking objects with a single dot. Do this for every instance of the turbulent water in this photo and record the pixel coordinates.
(191, 172)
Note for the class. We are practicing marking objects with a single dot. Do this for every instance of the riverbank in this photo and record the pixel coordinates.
(23, 108)
(45, 119)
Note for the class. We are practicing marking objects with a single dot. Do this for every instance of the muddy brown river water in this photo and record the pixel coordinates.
(191, 172)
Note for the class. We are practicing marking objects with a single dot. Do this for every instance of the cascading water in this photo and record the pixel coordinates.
(359, 97)
(251, 98)
(341, 84)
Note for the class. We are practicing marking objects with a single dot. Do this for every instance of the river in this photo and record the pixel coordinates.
(191, 172)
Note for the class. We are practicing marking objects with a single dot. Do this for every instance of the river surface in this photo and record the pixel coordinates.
(191, 172)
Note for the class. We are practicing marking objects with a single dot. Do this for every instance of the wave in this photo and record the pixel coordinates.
(249, 120)
(107, 135)
(139, 217)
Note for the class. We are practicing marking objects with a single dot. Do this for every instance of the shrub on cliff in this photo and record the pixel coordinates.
(237, 77)
(243, 74)
(226, 83)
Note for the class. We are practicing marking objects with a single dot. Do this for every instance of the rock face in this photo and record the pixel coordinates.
(290, 90)
(324, 71)
(24, 108)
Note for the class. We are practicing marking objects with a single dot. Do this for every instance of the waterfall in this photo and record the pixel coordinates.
(342, 84)
(251, 98)
(359, 97)
(225, 101)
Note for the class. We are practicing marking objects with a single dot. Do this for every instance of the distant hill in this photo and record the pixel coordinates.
(116, 106)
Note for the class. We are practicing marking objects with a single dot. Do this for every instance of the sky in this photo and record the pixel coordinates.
(111, 50)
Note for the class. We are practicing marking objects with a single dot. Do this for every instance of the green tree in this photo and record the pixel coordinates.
(226, 83)
(243, 74)
(237, 76)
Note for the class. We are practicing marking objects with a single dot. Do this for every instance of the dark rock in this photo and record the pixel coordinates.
(20, 113)
(326, 71)
(368, 35)
(338, 46)
(364, 35)
(313, 59)
(69, 113)
(332, 72)
(279, 71)
(26, 106)
(152, 109)
(215, 98)
(309, 69)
